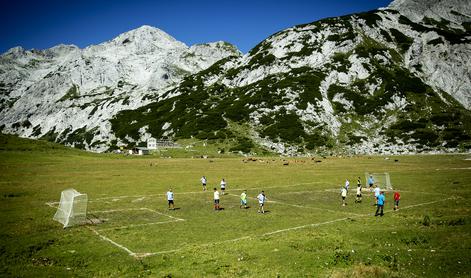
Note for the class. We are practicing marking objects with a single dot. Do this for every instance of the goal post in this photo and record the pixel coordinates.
(72, 208)
(380, 179)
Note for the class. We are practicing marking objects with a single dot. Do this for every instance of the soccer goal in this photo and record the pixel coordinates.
(72, 208)
(380, 179)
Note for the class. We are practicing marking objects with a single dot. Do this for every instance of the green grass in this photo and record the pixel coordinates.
(427, 240)
(72, 93)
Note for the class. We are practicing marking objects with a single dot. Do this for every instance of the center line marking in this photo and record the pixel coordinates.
(298, 206)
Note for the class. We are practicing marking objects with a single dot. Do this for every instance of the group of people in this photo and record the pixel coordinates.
(380, 199)
(261, 197)
(204, 181)
(344, 191)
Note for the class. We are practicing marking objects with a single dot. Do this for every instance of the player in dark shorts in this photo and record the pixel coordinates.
(397, 197)
(358, 199)
(216, 199)
(203, 182)
(223, 186)
(171, 205)
(359, 187)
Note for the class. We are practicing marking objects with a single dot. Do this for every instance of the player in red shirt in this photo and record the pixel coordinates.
(397, 197)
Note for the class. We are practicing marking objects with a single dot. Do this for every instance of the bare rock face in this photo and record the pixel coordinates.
(52, 92)
(445, 65)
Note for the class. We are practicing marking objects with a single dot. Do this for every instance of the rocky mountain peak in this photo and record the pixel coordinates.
(14, 51)
(147, 36)
(60, 50)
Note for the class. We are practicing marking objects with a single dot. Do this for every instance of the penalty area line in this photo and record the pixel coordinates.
(112, 242)
(138, 225)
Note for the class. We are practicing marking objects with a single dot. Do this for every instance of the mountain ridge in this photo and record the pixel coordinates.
(373, 82)
(64, 88)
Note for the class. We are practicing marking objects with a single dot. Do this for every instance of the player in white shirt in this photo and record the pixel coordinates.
(343, 193)
(261, 201)
(347, 184)
(203, 182)
(170, 199)
(223, 186)
(216, 199)
(377, 191)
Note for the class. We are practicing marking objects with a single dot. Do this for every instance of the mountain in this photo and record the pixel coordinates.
(68, 94)
(394, 80)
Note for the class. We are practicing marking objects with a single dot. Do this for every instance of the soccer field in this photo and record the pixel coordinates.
(305, 232)
(123, 219)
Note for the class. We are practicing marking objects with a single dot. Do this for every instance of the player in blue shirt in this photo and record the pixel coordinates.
(371, 181)
(380, 204)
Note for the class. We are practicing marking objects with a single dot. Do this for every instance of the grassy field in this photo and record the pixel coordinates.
(306, 232)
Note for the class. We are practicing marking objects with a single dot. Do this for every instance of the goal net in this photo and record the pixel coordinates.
(379, 179)
(72, 208)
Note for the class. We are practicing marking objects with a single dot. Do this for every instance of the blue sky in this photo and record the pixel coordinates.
(43, 24)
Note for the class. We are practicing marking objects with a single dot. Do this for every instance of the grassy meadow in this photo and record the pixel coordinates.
(305, 233)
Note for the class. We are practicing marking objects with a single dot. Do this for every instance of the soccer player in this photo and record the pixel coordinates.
(377, 191)
(371, 181)
(359, 181)
(261, 201)
(397, 197)
(216, 199)
(243, 199)
(380, 204)
(203, 182)
(223, 186)
(170, 199)
(358, 199)
(347, 184)
(343, 193)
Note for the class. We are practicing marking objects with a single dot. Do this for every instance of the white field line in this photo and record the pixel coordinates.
(462, 168)
(130, 209)
(364, 191)
(299, 206)
(138, 225)
(175, 219)
(52, 204)
(201, 191)
(429, 193)
(152, 210)
(312, 225)
(141, 255)
(302, 192)
(115, 210)
(112, 242)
